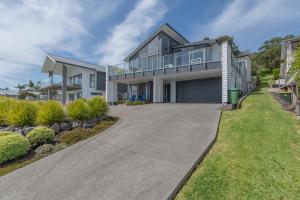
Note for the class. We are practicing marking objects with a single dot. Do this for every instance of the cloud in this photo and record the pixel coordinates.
(125, 36)
(31, 28)
(241, 17)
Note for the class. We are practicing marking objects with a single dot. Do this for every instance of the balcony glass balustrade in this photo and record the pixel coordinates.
(152, 62)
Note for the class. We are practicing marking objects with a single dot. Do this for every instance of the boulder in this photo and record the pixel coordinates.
(76, 124)
(64, 126)
(56, 127)
(88, 125)
(27, 129)
(10, 128)
(20, 131)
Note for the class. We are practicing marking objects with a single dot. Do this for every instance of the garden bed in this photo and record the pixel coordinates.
(32, 130)
(67, 137)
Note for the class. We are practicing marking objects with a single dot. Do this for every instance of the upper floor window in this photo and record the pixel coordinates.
(165, 44)
(75, 80)
(92, 80)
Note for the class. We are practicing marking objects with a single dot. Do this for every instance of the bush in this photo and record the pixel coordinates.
(12, 146)
(5, 133)
(98, 107)
(5, 105)
(50, 113)
(275, 73)
(40, 135)
(48, 149)
(78, 110)
(23, 113)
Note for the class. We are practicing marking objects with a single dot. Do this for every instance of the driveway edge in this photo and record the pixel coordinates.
(199, 160)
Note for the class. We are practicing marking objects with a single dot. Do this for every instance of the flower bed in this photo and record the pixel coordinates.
(42, 128)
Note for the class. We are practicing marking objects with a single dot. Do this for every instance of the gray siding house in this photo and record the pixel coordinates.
(166, 67)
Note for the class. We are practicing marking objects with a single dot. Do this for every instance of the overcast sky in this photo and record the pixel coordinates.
(105, 31)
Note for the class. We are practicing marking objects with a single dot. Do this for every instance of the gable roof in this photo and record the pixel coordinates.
(54, 63)
(166, 28)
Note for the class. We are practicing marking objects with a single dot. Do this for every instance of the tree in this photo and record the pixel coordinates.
(230, 39)
(21, 87)
(268, 55)
(31, 85)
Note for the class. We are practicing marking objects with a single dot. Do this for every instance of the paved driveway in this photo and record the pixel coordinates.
(145, 156)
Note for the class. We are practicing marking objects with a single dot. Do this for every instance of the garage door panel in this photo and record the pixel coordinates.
(200, 91)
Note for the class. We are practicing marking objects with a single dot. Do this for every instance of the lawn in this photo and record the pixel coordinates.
(256, 155)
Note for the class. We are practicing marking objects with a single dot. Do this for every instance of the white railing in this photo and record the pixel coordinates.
(151, 62)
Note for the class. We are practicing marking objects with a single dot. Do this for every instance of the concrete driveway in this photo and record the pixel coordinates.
(146, 156)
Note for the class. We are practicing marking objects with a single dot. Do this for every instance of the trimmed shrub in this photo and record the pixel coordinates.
(4, 133)
(48, 149)
(23, 113)
(98, 107)
(5, 105)
(49, 113)
(40, 135)
(12, 146)
(78, 110)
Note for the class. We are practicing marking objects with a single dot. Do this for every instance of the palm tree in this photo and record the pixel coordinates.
(31, 85)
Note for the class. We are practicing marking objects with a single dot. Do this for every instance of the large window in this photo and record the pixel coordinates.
(71, 97)
(92, 80)
(143, 63)
(153, 62)
(75, 80)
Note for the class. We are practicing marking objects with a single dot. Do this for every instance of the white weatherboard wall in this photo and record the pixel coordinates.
(226, 69)
(85, 88)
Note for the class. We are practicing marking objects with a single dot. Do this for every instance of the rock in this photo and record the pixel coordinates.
(10, 128)
(101, 118)
(88, 125)
(56, 127)
(76, 124)
(64, 126)
(20, 131)
(27, 129)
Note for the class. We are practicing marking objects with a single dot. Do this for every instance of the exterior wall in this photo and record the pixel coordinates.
(173, 91)
(226, 69)
(158, 90)
(85, 83)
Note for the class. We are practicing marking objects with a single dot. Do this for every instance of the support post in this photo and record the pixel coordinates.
(64, 84)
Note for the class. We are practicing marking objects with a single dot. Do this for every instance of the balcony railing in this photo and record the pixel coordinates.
(153, 62)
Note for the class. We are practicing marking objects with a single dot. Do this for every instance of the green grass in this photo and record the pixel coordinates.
(256, 155)
(69, 138)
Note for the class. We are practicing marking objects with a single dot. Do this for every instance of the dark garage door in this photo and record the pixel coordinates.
(200, 91)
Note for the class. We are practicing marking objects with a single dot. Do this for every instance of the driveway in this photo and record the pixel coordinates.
(146, 156)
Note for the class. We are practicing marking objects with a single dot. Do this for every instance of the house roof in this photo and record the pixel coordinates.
(54, 63)
(243, 54)
(166, 28)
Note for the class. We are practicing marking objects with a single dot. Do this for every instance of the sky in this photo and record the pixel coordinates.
(106, 31)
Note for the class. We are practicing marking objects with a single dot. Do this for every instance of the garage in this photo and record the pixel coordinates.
(200, 91)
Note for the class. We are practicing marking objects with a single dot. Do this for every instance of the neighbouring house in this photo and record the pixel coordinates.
(166, 67)
(288, 48)
(9, 93)
(76, 79)
(286, 79)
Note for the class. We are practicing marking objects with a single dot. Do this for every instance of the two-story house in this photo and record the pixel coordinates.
(76, 79)
(166, 67)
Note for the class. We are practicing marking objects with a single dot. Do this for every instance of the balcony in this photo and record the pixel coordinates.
(153, 65)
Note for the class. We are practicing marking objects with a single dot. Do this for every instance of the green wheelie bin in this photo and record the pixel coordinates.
(234, 94)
